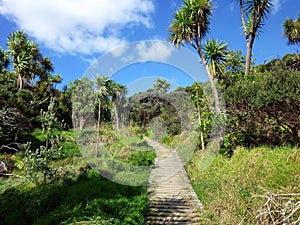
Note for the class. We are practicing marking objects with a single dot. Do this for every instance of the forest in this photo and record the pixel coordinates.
(48, 134)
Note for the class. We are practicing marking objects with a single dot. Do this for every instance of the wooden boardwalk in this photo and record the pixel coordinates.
(172, 199)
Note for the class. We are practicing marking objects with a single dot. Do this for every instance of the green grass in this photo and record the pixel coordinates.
(132, 150)
(86, 197)
(79, 195)
(127, 160)
(228, 186)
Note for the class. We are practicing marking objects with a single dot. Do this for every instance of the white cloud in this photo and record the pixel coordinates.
(156, 50)
(78, 26)
(119, 51)
(90, 60)
(277, 6)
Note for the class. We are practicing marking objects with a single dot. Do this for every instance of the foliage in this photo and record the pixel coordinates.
(234, 64)
(199, 98)
(118, 104)
(154, 110)
(229, 186)
(132, 150)
(84, 198)
(80, 195)
(253, 14)
(264, 110)
(215, 53)
(64, 108)
(95, 100)
(83, 103)
(10, 125)
(291, 30)
(41, 160)
(190, 25)
(23, 64)
(4, 60)
(161, 86)
(101, 83)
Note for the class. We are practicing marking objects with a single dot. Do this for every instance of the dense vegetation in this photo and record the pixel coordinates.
(84, 198)
(45, 178)
(259, 186)
(241, 189)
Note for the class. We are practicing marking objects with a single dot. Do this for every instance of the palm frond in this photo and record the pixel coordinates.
(256, 12)
(181, 28)
(215, 53)
(291, 30)
(191, 22)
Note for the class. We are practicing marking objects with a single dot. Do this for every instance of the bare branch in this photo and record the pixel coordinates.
(279, 208)
(9, 146)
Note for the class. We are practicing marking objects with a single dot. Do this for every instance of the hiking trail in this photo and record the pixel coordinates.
(172, 199)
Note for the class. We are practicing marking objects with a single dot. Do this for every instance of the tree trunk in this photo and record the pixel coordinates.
(200, 123)
(98, 128)
(213, 85)
(20, 81)
(74, 120)
(81, 122)
(248, 56)
(117, 117)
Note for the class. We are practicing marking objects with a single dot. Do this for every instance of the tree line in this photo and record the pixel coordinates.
(262, 101)
(260, 116)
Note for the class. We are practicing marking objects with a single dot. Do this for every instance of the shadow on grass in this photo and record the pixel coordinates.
(87, 198)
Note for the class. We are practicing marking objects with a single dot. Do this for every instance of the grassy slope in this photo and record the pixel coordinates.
(227, 186)
(80, 196)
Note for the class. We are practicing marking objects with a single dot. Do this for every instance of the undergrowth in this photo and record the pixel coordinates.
(230, 187)
(86, 198)
(79, 195)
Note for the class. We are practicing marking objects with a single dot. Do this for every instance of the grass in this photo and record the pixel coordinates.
(86, 197)
(132, 150)
(228, 187)
(129, 160)
(80, 195)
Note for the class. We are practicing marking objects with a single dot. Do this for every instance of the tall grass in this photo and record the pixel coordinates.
(229, 187)
(80, 195)
(87, 198)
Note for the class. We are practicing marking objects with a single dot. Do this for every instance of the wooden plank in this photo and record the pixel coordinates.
(172, 199)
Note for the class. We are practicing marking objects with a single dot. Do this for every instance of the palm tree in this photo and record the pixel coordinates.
(292, 30)
(24, 54)
(214, 52)
(45, 67)
(116, 91)
(190, 25)
(101, 83)
(253, 13)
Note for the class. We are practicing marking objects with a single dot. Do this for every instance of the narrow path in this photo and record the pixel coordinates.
(172, 199)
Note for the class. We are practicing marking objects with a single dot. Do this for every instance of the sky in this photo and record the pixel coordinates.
(81, 35)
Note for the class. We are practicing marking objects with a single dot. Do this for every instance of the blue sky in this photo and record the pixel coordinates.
(75, 33)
